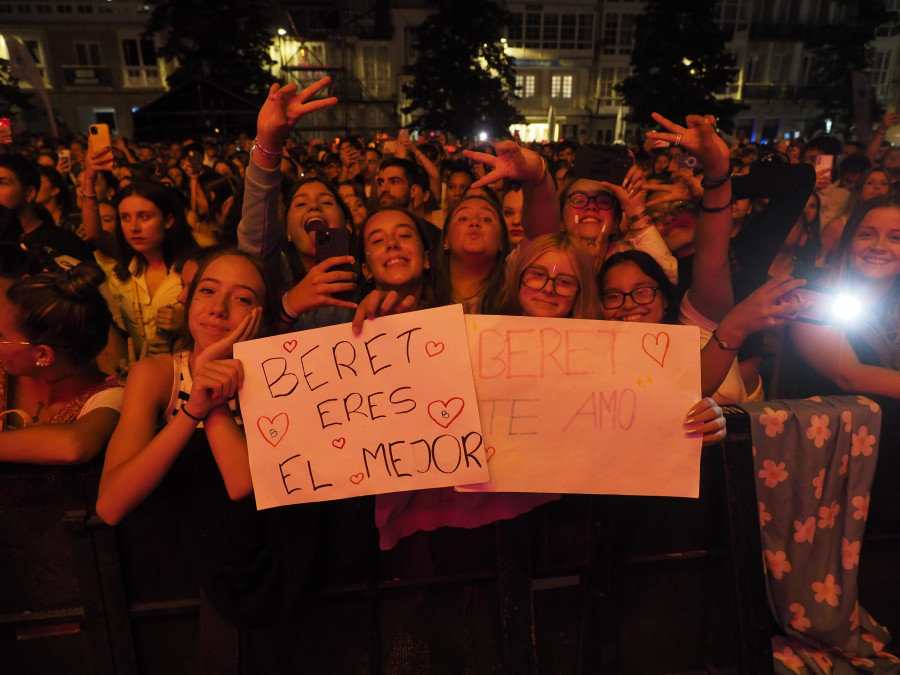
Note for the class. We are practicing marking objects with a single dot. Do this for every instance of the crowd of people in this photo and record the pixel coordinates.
(145, 263)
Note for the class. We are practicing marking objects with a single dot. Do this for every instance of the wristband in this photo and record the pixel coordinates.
(712, 184)
(193, 417)
(716, 209)
(722, 345)
(84, 196)
(288, 312)
(264, 152)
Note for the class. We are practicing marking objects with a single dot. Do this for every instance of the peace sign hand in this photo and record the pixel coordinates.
(699, 138)
(283, 107)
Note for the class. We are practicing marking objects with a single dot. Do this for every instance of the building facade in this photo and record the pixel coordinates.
(96, 65)
(569, 57)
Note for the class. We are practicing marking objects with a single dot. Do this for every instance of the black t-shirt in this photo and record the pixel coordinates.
(60, 241)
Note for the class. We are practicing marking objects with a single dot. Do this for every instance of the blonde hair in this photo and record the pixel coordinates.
(587, 302)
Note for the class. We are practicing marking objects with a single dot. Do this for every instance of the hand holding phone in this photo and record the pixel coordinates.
(824, 168)
(64, 163)
(99, 137)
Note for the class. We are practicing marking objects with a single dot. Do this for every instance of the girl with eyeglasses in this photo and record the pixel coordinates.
(551, 277)
(634, 288)
(57, 406)
(603, 217)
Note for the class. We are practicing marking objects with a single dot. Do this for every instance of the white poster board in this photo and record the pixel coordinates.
(592, 407)
(330, 415)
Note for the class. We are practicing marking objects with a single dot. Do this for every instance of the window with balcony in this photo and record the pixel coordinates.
(141, 67)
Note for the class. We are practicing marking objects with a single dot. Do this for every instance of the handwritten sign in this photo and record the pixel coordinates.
(329, 415)
(593, 407)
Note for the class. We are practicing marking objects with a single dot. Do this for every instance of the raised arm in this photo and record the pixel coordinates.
(259, 231)
(100, 160)
(890, 120)
(540, 207)
(711, 292)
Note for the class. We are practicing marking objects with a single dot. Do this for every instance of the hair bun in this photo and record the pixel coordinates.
(81, 281)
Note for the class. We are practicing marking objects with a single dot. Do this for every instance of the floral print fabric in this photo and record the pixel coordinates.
(815, 461)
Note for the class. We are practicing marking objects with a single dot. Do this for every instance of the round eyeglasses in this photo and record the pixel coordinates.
(640, 296)
(603, 200)
(564, 285)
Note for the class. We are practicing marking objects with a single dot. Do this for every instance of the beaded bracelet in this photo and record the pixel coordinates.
(631, 220)
(715, 183)
(288, 312)
(264, 152)
(193, 417)
(723, 345)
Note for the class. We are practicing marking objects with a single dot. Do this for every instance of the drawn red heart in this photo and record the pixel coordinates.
(489, 451)
(357, 478)
(273, 430)
(290, 346)
(434, 348)
(444, 412)
(339, 443)
(656, 346)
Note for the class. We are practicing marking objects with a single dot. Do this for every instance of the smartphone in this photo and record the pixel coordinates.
(609, 163)
(331, 243)
(196, 161)
(817, 305)
(65, 160)
(823, 307)
(403, 136)
(6, 136)
(824, 162)
(99, 137)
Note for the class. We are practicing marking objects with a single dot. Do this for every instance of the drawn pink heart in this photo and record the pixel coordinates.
(656, 346)
(357, 478)
(489, 452)
(339, 443)
(290, 346)
(444, 412)
(434, 348)
(273, 430)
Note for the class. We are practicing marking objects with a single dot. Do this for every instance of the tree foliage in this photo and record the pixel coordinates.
(679, 64)
(225, 41)
(839, 49)
(463, 82)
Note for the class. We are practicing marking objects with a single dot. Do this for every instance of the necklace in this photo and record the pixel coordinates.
(478, 292)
